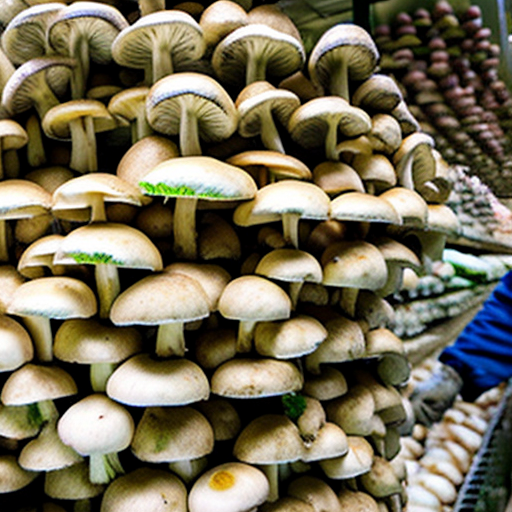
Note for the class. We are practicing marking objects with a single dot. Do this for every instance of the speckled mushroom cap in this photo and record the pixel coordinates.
(320, 121)
(35, 383)
(145, 488)
(229, 487)
(168, 39)
(16, 348)
(24, 38)
(107, 242)
(344, 52)
(191, 96)
(257, 52)
(145, 382)
(255, 378)
(37, 83)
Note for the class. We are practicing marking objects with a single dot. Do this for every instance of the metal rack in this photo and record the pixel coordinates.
(487, 486)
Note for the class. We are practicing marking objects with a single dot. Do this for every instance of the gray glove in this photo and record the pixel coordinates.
(434, 396)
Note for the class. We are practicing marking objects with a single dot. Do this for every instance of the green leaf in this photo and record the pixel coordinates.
(83, 258)
(294, 405)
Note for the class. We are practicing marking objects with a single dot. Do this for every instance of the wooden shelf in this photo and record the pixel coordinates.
(433, 340)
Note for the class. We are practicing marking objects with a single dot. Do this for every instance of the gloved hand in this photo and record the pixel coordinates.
(432, 397)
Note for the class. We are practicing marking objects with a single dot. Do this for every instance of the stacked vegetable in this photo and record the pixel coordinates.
(202, 258)
(449, 67)
(438, 459)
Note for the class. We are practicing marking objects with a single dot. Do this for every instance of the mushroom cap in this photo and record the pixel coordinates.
(15, 345)
(330, 441)
(202, 177)
(214, 347)
(12, 135)
(279, 165)
(354, 264)
(411, 207)
(229, 487)
(363, 207)
(171, 434)
(143, 156)
(255, 378)
(39, 254)
(316, 492)
(286, 504)
(98, 23)
(357, 460)
(22, 199)
(295, 337)
(89, 341)
(328, 384)
(381, 481)
(376, 169)
(343, 42)
(171, 31)
(214, 108)
(269, 439)
(127, 104)
(219, 19)
(308, 125)
(442, 219)
(21, 91)
(12, 476)
(282, 53)
(358, 500)
(290, 265)
(96, 424)
(337, 178)
(71, 483)
(259, 99)
(378, 93)
(159, 299)
(108, 242)
(24, 37)
(34, 383)
(54, 297)
(145, 488)
(223, 417)
(254, 298)
(386, 134)
(56, 122)
(145, 382)
(283, 197)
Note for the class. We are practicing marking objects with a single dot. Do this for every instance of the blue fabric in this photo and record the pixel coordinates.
(482, 354)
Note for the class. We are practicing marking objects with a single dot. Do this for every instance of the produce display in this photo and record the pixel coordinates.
(438, 459)
(448, 67)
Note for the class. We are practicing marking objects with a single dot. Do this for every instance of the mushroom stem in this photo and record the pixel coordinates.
(170, 340)
(104, 467)
(36, 156)
(294, 291)
(189, 133)
(184, 227)
(188, 470)
(11, 164)
(107, 286)
(256, 69)
(405, 178)
(140, 127)
(44, 98)
(162, 62)
(2, 173)
(338, 85)
(41, 332)
(82, 505)
(331, 141)
(79, 151)
(269, 135)
(272, 473)
(99, 374)
(351, 484)
(245, 335)
(348, 300)
(4, 250)
(92, 154)
(79, 49)
(290, 223)
(98, 211)
(395, 503)
(42, 412)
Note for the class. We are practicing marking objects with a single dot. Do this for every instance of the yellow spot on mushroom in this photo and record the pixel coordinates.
(221, 481)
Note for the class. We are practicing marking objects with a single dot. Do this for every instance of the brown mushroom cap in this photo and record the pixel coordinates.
(219, 19)
(71, 483)
(316, 492)
(363, 207)
(337, 177)
(12, 476)
(378, 93)
(355, 462)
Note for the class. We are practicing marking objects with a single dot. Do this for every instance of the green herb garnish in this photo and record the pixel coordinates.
(294, 405)
(84, 258)
(161, 189)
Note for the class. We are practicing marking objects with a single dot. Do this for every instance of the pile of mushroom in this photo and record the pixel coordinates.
(449, 66)
(439, 458)
(197, 247)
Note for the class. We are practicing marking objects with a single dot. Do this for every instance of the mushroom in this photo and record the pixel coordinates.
(160, 43)
(12, 137)
(12, 476)
(40, 300)
(285, 200)
(344, 52)
(316, 492)
(167, 300)
(319, 122)
(378, 93)
(194, 106)
(99, 428)
(179, 436)
(15, 345)
(258, 104)
(257, 52)
(85, 31)
(79, 121)
(229, 487)
(145, 487)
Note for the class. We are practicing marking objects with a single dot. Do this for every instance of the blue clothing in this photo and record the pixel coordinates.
(482, 354)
